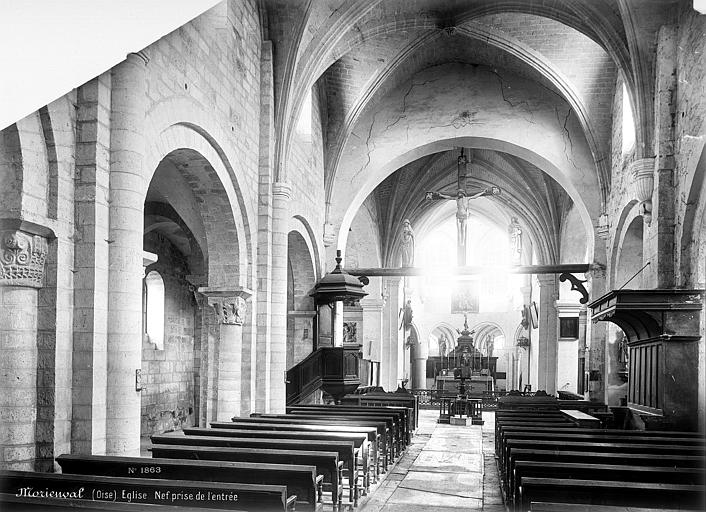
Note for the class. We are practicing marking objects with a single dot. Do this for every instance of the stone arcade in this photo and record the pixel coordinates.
(164, 224)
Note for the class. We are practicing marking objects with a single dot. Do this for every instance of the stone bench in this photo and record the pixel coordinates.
(327, 464)
(301, 481)
(345, 449)
(192, 493)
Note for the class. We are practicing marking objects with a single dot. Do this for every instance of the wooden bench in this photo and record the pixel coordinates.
(369, 432)
(302, 481)
(359, 439)
(377, 398)
(192, 493)
(590, 446)
(12, 503)
(393, 422)
(596, 437)
(406, 415)
(543, 506)
(621, 472)
(385, 435)
(345, 449)
(581, 419)
(326, 463)
(603, 492)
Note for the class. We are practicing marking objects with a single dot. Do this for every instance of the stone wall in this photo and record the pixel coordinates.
(168, 402)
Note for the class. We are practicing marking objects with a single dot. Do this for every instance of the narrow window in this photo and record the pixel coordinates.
(628, 123)
(154, 309)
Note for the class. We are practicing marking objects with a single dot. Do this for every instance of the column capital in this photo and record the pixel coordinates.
(23, 252)
(141, 55)
(282, 190)
(229, 305)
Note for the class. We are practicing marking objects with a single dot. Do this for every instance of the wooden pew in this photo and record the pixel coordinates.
(192, 493)
(12, 503)
(300, 480)
(393, 422)
(403, 414)
(604, 492)
(384, 433)
(345, 449)
(359, 439)
(598, 437)
(326, 463)
(620, 472)
(593, 446)
(543, 506)
(369, 432)
(518, 455)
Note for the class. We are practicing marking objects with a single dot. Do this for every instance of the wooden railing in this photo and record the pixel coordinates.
(336, 370)
(431, 398)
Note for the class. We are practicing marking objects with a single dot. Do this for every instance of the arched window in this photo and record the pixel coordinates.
(154, 308)
(628, 123)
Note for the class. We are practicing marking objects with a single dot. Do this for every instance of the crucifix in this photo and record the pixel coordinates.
(462, 198)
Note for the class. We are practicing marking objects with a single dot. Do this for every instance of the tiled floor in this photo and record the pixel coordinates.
(445, 469)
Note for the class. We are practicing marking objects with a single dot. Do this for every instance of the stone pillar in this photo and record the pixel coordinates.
(127, 190)
(372, 329)
(22, 258)
(548, 333)
(389, 367)
(596, 340)
(420, 354)
(230, 310)
(583, 320)
(281, 194)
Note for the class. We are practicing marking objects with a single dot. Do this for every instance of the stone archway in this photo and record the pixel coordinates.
(195, 242)
(301, 277)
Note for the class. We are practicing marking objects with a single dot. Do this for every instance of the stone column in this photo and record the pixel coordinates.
(548, 333)
(22, 257)
(596, 340)
(338, 323)
(389, 367)
(127, 189)
(281, 194)
(372, 329)
(230, 310)
(583, 320)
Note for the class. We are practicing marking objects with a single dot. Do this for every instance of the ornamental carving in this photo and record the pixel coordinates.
(229, 310)
(22, 257)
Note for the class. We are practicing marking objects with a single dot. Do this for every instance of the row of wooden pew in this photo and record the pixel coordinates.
(549, 458)
(263, 462)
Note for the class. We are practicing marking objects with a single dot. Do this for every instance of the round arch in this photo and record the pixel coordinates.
(301, 277)
(183, 124)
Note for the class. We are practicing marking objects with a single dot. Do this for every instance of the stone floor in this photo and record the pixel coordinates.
(446, 468)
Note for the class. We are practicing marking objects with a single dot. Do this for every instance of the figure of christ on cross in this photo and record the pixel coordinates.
(462, 199)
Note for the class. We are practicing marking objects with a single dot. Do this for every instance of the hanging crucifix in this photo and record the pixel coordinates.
(462, 199)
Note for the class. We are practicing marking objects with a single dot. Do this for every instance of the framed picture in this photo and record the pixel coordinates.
(534, 315)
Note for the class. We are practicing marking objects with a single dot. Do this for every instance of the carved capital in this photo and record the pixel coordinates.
(229, 310)
(22, 257)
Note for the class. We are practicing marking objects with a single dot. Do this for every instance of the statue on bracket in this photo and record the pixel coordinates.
(514, 230)
(407, 244)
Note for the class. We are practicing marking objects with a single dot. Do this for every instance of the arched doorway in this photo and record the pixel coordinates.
(301, 278)
(189, 377)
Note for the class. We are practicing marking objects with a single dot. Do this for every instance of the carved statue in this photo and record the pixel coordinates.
(407, 315)
(515, 232)
(407, 244)
(443, 345)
